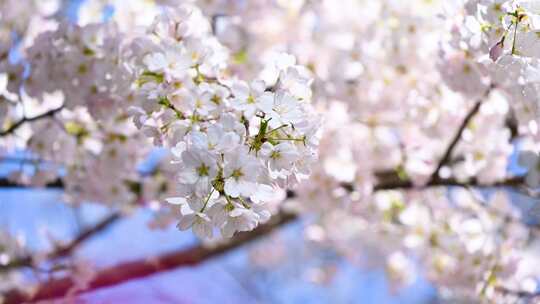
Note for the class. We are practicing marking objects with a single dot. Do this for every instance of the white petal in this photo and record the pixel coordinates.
(258, 86)
(186, 221)
(266, 102)
(188, 176)
(232, 187)
(264, 193)
(155, 62)
(176, 200)
(202, 230)
(266, 149)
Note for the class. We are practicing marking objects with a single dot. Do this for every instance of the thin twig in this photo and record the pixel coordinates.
(63, 251)
(24, 120)
(455, 140)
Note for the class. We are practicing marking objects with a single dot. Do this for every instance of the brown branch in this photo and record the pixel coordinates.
(517, 293)
(58, 288)
(455, 140)
(448, 182)
(63, 251)
(6, 183)
(512, 124)
(24, 120)
(387, 181)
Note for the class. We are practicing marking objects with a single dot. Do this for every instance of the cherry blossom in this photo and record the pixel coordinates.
(390, 126)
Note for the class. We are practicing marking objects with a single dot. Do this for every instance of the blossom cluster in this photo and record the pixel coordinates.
(234, 142)
(84, 63)
(78, 74)
(495, 43)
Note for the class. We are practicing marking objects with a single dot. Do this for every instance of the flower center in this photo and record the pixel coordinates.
(275, 155)
(216, 99)
(202, 170)
(237, 173)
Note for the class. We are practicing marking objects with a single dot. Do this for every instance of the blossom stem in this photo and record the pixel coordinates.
(278, 128)
(290, 139)
(515, 35)
(207, 199)
(243, 202)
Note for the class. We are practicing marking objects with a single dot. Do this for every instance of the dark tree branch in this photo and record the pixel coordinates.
(517, 293)
(24, 120)
(6, 183)
(512, 125)
(387, 181)
(57, 288)
(63, 251)
(457, 137)
(449, 182)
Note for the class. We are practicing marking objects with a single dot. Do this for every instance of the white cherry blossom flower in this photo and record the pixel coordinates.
(239, 219)
(198, 169)
(173, 61)
(246, 97)
(240, 172)
(281, 156)
(199, 222)
(282, 109)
